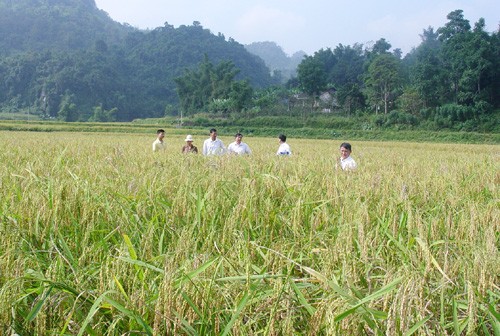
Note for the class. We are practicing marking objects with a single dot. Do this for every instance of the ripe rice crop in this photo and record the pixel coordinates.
(101, 236)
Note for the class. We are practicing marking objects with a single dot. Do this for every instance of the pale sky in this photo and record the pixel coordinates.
(307, 25)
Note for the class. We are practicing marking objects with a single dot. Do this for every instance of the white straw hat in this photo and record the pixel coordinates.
(189, 138)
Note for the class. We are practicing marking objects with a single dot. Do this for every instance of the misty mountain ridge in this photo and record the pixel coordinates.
(37, 25)
(276, 59)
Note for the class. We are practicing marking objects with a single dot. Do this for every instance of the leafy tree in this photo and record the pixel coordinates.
(380, 47)
(426, 71)
(383, 80)
(312, 75)
(411, 101)
(495, 81)
(241, 94)
(455, 35)
(469, 57)
(212, 87)
(101, 115)
(351, 98)
(67, 109)
(348, 68)
(347, 74)
(479, 64)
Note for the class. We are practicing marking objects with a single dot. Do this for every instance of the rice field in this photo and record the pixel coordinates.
(101, 236)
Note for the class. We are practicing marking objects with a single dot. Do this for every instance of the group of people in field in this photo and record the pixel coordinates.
(214, 146)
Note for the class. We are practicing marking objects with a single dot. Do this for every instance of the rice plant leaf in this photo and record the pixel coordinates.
(495, 319)
(193, 306)
(456, 327)
(35, 275)
(186, 326)
(130, 247)
(236, 314)
(417, 326)
(339, 290)
(67, 321)
(131, 314)
(377, 314)
(382, 291)
(160, 243)
(67, 251)
(398, 244)
(493, 312)
(249, 277)
(142, 264)
(36, 308)
(310, 309)
(314, 273)
(133, 255)
(120, 287)
(424, 247)
(93, 310)
(193, 274)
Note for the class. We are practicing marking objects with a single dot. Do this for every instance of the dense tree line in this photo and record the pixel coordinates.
(452, 77)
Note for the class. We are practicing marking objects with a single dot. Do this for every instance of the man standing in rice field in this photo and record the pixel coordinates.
(238, 147)
(213, 145)
(346, 161)
(158, 144)
(284, 148)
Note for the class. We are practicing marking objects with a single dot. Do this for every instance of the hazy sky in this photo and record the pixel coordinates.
(307, 25)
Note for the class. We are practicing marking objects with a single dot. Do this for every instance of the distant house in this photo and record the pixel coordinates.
(298, 99)
(327, 101)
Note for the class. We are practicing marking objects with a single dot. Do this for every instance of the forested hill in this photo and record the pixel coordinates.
(37, 25)
(64, 58)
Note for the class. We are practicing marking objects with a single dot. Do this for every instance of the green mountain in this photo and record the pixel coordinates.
(37, 25)
(67, 57)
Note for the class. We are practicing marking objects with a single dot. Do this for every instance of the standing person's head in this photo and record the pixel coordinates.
(189, 140)
(160, 134)
(345, 150)
(238, 138)
(213, 134)
(282, 138)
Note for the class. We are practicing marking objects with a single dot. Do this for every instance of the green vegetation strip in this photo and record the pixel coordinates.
(262, 131)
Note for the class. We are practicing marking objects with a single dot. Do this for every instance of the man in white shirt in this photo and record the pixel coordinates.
(238, 147)
(158, 144)
(213, 146)
(346, 161)
(283, 149)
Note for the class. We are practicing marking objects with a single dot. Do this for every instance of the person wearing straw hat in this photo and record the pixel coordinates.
(189, 147)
